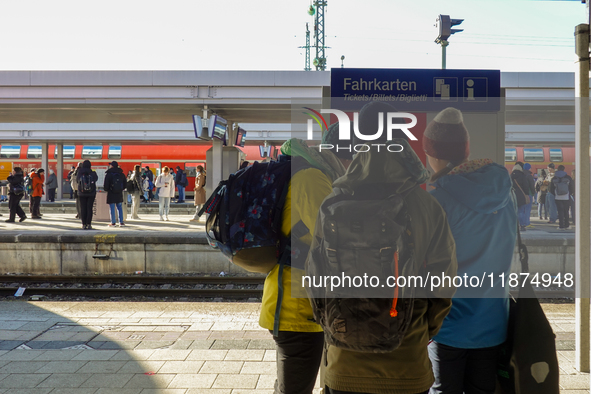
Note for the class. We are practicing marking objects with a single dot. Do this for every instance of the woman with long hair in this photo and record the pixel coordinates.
(199, 192)
(137, 191)
(86, 179)
(165, 183)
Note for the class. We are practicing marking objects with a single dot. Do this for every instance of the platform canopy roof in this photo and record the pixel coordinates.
(157, 106)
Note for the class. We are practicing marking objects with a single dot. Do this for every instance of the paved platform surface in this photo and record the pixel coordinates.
(66, 222)
(61, 216)
(170, 348)
(53, 221)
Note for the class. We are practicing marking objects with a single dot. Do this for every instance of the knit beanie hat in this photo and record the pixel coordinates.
(446, 137)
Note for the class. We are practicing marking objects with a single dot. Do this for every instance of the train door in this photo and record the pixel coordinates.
(5, 169)
(101, 171)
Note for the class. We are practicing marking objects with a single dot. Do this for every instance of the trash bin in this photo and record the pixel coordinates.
(102, 211)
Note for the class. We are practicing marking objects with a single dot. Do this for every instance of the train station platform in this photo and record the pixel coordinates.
(56, 244)
(167, 348)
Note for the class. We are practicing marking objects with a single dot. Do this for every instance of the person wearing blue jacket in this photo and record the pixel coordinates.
(482, 214)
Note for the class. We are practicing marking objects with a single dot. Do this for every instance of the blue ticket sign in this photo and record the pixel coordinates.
(417, 90)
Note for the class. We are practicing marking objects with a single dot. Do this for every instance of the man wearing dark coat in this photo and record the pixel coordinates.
(114, 185)
(16, 191)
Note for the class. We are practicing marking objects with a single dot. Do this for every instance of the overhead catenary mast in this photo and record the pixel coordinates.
(316, 10)
(320, 59)
(307, 47)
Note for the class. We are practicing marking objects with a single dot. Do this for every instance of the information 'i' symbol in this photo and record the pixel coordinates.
(470, 89)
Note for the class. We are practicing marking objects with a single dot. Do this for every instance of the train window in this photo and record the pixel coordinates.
(68, 152)
(114, 152)
(34, 152)
(10, 152)
(555, 154)
(533, 154)
(155, 167)
(92, 152)
(191, 168)
(510, 154)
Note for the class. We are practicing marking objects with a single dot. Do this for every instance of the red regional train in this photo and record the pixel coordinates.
(187, 157)
(540, 157)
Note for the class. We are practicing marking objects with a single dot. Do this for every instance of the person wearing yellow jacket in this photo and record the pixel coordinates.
(300, 341)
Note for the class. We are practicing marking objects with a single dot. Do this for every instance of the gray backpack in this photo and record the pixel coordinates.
(362, 234)
(562, 185)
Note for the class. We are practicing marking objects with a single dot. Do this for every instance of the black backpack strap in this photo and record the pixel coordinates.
(286, 258)
(279, 292)
(523, 254)
(213, 200)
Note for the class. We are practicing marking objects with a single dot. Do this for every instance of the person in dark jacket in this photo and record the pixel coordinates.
(550, 198)
(562, 186)
(51, 185)
(531, 184)
(114, 185)
(180, 184)
(70, 175)
(150, 176)
(521, 188)
(16, 191)
(74, 186)
(572, 198)
(86, 178)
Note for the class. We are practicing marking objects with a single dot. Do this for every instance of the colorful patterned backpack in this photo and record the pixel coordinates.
(245, 213)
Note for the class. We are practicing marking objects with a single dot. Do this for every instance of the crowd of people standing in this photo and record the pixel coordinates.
(553, 191)
(82, 179)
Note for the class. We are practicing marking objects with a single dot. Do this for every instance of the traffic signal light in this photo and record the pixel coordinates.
(445, 24)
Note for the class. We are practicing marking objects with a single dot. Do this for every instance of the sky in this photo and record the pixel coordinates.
(509, 35)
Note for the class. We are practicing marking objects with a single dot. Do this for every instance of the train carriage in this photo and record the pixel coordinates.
(540, 157)
(187, 157)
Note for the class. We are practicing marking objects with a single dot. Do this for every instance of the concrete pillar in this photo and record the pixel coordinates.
(582, 199)
(231, 135)
(215, 172)
(230, 157)
(45, 166)
(59, 173)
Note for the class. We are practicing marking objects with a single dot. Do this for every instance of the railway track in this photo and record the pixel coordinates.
(179, 287)
(158, 287)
